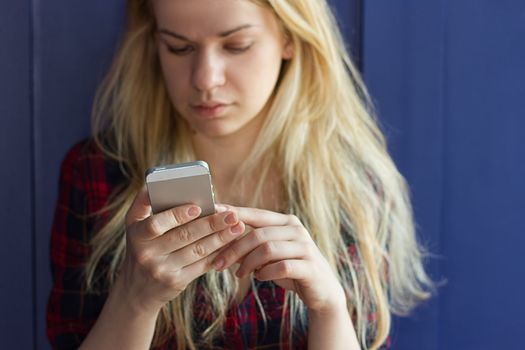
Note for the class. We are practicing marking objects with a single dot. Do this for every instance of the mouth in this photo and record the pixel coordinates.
(210, 109)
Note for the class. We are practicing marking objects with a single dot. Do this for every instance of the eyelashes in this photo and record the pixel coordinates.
(188, 49)
(239, 49)
(180, 50)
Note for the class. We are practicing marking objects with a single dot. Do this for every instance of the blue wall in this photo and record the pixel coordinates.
(53, 54)
(16, 195)
(448, 78)
(448, 81)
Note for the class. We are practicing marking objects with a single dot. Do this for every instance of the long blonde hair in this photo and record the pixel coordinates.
(321, 135)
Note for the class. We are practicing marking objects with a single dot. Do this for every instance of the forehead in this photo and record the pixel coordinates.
(202, 18)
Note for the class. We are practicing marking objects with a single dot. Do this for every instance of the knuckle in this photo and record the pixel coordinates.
(199, 250)
(285, 267)
(268, 249)
(309, 249)
(173, 284)
(301, 230)
(143, 257)
(183, 234)
(293, 219)
(171, 238)
(224, 237)
(210, 259)
(176, 216)
(174, 281)
(156, 272)
(153, 226)
(215, 223)
(230, 253)
(258, 235)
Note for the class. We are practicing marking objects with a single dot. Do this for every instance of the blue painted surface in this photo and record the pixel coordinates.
(74, 44)
(485, 100)
(448, 77)
(16, 284)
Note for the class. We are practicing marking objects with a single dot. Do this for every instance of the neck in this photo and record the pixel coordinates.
(225, 154)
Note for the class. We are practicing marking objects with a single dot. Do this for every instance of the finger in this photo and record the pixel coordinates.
(290, 268)
(219, 208)
(198, 268)
(180, 278)
(271, 252)
(158, 224)
(261, 217)
(205, 246)
(249, 242)
(140, 209)
(184, 235)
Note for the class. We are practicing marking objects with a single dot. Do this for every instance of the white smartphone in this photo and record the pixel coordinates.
(178, 184)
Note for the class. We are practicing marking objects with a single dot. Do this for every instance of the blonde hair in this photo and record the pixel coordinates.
(321, 135)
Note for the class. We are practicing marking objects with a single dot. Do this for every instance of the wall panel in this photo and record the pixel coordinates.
(402, 59)
(483, 228)
(74, 44)
(447, 77)
(16, 154)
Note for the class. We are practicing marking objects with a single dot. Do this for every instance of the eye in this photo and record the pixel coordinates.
(180, 50)
(238, 48)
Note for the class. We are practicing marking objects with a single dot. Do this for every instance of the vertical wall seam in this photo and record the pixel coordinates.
(443, 114)
(32, 168)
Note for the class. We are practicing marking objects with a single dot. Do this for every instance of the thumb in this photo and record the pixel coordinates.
(140, 209)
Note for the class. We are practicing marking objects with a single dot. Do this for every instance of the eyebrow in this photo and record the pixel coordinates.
(223, 34)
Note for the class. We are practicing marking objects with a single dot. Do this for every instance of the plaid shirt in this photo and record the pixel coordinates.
(87, 180)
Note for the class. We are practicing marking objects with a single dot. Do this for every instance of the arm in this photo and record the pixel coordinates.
(331, 328)
(70, 311)
(121, 325)
(164, 253)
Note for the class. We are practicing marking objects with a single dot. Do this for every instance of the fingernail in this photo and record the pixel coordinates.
(237, 229)
(230, 219)
(219, 263)
(194, 211)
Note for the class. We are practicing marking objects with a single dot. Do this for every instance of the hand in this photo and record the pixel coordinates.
(281, 249)
(168, 250)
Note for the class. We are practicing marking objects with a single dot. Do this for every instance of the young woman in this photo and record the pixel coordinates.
(314, 244)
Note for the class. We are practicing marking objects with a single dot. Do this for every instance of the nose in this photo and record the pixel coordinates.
(208, 71)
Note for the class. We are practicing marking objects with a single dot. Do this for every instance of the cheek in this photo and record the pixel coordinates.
(259, 76)
(174, 79)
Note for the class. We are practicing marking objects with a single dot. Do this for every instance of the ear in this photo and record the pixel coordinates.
(288, 50)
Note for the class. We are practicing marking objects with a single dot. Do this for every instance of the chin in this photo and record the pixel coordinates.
(216, 131)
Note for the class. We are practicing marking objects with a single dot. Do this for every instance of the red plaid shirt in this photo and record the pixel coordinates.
(87, 180)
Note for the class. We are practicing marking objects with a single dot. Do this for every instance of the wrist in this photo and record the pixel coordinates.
(336, 305)
(121, 324)
(120, 295)
(330, 327)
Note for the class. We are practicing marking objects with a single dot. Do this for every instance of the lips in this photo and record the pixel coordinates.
(210, 108)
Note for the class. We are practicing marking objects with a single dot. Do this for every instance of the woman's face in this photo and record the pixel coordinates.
(220, 60)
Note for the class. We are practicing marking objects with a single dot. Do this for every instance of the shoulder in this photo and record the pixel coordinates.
(81, 157)
(85, 153)
(86, 169)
